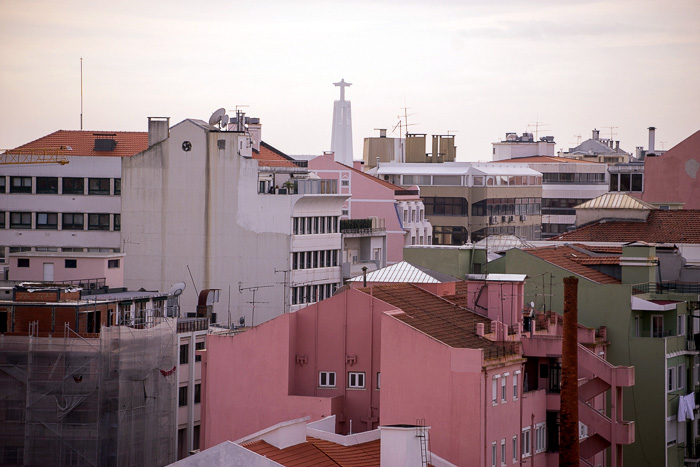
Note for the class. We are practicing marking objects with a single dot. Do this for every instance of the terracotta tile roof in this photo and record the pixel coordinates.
(544, 159)
(83, 143)
(272, 157)
(436, 316)
(613, 250)
(597, 260)
(319, 453)
(681, 226)
(570, 259)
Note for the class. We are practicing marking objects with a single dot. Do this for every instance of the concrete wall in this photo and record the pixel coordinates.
(453, 260)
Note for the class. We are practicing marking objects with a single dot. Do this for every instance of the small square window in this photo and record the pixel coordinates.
(20, 184)
(98, 186)
(22, 262)
(98, 221)
(356, 380)
(326, 379)
(47, 220)
(112, 263)
(71, 263)
(20, 220)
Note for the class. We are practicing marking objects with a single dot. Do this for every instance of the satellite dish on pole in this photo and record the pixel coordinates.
(176, 290)
(218, 117)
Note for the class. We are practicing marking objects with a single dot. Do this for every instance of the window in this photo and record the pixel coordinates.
(356, 380)
(503, 387)
(681, 325)
(113, 263)
(182, 396)
(515, 385)
(20, 220)
(680, 377)
(379, 379)
(540, 437)
(47, 185)
(671, 384)
(198, 393)
(326, 379)
(22, 262)
(20, 184)
(2, 219)
(345, 183)
(493, 454)
(72, 221)
(73, 186)
(443, 206)
(98, 221)
(184, 354)
(3, 181)
(71, 263)
(657, 326)
(515, 449)
(117, 222)
(98, 186)
(582, 431)
(503, 452)
(117, 186)
(47, 220)
(671, 431)
(198, 346)
(525, 443)
(494, 389)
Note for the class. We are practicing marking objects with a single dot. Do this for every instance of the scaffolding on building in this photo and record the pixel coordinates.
(89, 400)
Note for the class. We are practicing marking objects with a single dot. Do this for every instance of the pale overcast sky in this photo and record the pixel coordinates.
(475, 68)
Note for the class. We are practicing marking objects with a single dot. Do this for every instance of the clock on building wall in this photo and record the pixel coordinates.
(186, 146)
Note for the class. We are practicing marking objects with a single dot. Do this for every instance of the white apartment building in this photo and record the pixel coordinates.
(208, 204)
(62, 193)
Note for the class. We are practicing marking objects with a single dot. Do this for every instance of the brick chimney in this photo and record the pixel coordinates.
(568, 436)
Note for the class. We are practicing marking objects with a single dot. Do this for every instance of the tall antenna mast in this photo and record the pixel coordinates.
(81, 93)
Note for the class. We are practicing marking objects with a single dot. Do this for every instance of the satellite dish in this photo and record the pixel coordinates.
(224, 121)
(216, 117)
(176, 290)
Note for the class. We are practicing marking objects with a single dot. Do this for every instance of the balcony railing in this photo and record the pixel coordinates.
(87, 284)
(666, 287)
(192, 324)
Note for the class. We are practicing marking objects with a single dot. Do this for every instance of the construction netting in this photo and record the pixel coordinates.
(98, 401)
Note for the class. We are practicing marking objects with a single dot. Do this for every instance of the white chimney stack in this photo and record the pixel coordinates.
(652, 136)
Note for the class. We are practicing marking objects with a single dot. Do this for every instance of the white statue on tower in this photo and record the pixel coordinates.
(341, 136)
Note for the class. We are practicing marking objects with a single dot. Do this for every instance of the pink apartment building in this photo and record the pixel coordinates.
(400, 209)
(394, 354)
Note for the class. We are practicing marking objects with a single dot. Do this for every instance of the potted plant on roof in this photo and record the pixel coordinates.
(289, 185)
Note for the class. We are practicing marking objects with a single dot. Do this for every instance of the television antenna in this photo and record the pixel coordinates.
(613, 133)
(253, 289)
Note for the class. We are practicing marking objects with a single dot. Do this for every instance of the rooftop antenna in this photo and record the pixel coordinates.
(254, 289)
(612, 132)
(578, 139)
(81, 93)
(284, 286)
(537, 126)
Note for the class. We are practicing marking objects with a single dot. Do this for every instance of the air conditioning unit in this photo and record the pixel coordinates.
(523, 217)
(493, 220)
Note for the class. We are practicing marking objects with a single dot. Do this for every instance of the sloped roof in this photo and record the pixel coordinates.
(439, 318)
(374, 179)
(572, 260)
(272, 157)
(82, 143)
(615, 201)
(405, 272)
(596, 147)
(681, 226)
(319, 453)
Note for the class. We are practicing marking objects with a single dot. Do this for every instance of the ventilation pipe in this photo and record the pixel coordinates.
(652, 138)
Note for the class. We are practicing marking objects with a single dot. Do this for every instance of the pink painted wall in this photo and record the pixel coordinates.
(245, 389)
(503, 300)
(363, 203)
(87, 268)
(675, 175)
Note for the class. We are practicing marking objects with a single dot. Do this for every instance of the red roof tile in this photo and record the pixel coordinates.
(319, 453)
(271, 157)
(438, 317)
(83, 143)
(681, 226)
(571, 259)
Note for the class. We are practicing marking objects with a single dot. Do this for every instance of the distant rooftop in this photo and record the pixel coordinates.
(405, 272)
(576, 261)
(83, 143)
(615, 201)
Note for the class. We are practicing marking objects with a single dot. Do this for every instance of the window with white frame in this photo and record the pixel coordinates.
(326, 379)
(582, 431)
(356, 380)
(540, 437)
(494, 389)
(515, 384)
(671, 384)
(525, 442)
(681, 325)
(680, 377)
(493, 454)
(503, 387)
(515, 449)
(503, 452)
